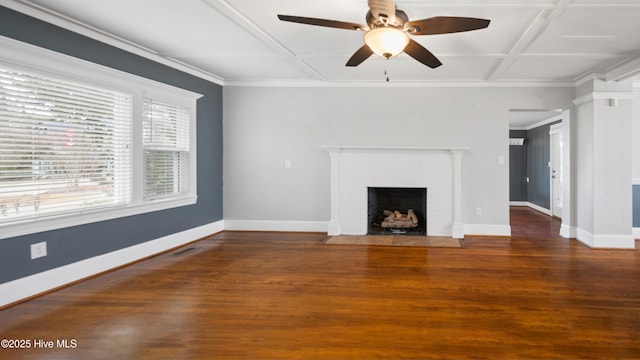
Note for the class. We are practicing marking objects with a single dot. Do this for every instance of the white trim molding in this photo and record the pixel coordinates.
(23, 288)
(568, 231)
(636, 232)
(539, 208)
(531, 205)
(606, 241)
(487, 229)
(276, 225)
(604, 95)
(625, 71)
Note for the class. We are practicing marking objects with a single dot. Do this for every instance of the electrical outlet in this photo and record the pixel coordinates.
(38, 250)
(287, 164)
(478, 211)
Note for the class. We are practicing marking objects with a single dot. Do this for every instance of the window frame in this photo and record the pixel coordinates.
(26, 57)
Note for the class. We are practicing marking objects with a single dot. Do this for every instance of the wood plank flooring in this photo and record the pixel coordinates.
(251, 295)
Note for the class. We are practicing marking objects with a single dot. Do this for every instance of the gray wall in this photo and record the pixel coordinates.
(293, 123)
(636, 205)
(538, 157)
(533, 162)
(72, 244)
(635, 130)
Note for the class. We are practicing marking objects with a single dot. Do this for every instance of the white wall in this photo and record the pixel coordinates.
(604, 157)
(583, 153)
(636, 136)
(264, 126)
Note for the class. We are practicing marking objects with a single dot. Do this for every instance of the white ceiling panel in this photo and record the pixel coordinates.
(243, 40)
(252, 68)
(592, 30)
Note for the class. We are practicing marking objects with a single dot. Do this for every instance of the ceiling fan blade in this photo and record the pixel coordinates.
(382, 8)
(421, 54)
(322, 22)
(359, 56)
(445, 25)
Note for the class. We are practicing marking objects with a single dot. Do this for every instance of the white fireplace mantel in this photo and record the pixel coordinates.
(353, 168)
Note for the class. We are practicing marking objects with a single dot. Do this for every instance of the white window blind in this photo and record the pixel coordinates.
(64, 147)
(166, 149)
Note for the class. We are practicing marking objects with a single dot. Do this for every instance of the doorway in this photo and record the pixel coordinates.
(556, 144)
(545, 136)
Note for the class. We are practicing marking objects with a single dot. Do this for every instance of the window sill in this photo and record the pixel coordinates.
(53, 222)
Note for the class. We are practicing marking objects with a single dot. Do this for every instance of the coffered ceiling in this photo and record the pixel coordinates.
(243, 42)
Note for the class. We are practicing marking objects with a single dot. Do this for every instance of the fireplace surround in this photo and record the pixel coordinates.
(356, 168)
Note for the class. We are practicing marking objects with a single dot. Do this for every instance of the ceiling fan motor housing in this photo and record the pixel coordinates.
(384, 21)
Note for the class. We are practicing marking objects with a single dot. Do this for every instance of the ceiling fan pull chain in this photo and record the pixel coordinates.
(386, 63)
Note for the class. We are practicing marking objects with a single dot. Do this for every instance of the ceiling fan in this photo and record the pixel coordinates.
(388, 29)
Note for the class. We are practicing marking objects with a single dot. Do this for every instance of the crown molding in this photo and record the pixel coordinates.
(398, 84)
(603, 95)
(624, 71)
(588, 77)
(65, 22)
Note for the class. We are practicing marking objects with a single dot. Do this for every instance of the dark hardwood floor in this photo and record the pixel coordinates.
(251, 295)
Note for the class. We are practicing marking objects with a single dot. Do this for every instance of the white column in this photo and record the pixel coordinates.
(604, 162)
(334, 222)
(458, 227)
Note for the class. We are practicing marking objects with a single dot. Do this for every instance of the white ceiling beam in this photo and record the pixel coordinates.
(535, 29)
(231, 13)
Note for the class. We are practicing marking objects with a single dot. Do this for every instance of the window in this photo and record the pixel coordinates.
(80, 142)
(166, 149)
(64, 146)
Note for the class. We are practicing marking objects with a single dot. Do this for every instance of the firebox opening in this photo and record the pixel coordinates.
(399, 200)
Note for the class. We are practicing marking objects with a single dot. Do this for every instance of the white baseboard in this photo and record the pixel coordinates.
(487, 229)
(322, 226)
(276, 225)
(16, 290)
(567, 231)
(531, 205)
(584, 237)
(636, 233)
(518, 203)
(539, 208)
(606, 241)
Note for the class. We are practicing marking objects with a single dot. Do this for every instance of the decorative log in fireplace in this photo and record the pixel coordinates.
(396, 220)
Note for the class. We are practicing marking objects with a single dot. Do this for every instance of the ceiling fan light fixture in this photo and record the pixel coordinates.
(386, 41)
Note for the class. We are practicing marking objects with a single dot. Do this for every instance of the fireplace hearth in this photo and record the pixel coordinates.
(392, 210)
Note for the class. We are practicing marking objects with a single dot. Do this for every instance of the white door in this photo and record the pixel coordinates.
(556, 170)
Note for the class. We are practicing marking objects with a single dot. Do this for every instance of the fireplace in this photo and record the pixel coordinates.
(355, 168)
(402, 201)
